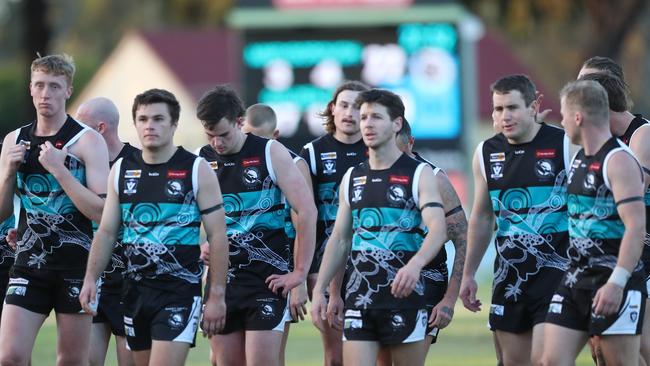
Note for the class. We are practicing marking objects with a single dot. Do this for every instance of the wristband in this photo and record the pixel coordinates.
(619, 276)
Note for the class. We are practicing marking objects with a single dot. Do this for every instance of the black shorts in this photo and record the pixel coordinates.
(111, 310)
(434, 291)
(41, 290)
(386, 326)
(152, 314)
(572, 308)
(316, 260)
(517, 317)
(4, 281)
(264, 313)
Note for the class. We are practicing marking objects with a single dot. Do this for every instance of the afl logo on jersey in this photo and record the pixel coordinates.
(251, 177)
(174, 188)
(497, 171)
(396, 194)
(544, 169)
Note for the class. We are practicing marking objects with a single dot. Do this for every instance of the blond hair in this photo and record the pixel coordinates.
(62, 64)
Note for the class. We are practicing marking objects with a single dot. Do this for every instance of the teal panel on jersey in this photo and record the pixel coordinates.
(166, 223)
(599, 207)
(327, 201)
(529, 197)
(509, 223)
(593, 228)
(387, 228)
(388, 240)
(7, 225)
(263, 221)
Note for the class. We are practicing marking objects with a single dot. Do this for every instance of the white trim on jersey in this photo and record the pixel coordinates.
(566, 144)
(637, 130)
(298, 158)
(17, 132)
(269, 162)
(189, 333)
(117, 166)
(416, 183)
(312, 157)
(78, 135)
(345, 183)
(479, 153)
(195, 176)
(198, 150)
(16, 210)
(622, 147)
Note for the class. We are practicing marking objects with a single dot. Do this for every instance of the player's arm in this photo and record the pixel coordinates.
(92, 150)
(639, 145)
(626, 182)
(433, 217)
(10, 159)
(481, 224)
(210, 204)
(336, 254)
(295, 189)
(456, 232)
(102, 246)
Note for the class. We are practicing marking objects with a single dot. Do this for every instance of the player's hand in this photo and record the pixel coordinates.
(205, 253)
(319, 310)
(12, 238)
(335, 311)
(540, 116)
(608, 299)
(468, 289)
(285, 282)
(12, 157)
(88, 297)
(51, 158)
(442, 313)
(214, 315)
(405, 280)
(298, 302)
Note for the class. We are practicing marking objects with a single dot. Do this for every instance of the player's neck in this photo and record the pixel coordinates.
(347, 139)
(594, 139)
(114, 147)
(49, 126)
(383, 157)
(620, 121)
(158, 155)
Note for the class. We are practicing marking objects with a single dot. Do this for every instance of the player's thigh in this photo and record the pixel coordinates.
(515, 347)
(268, 340)
(562, 345)
(168, 353)
(406, 354)
(620, 349)
(229, 349)
(73, 340)
(124, 355)
(100, 335)
(18, 332)
(360, 353)
(645, 334)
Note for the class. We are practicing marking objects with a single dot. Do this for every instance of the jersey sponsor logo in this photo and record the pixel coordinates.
(328, 155)
(176, 174)
(545, 153)
(359, 180)
(496, 157)
(153, 174)
(251, 177)
(130, 186)
(497, 171)
(399, 179)
(555, 308)
(251, 161)
(59, 144)
(214, 165)
(496, 309)
(133, 173)
(351, 153)
(396, 194)
(590, 182)
(174, 188)
(16, 290)
(353, 319)
(545, 169)
(376, 180)
(595, 166)
(520, 152)
(18, 281)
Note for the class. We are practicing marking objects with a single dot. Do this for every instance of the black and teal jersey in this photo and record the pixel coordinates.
(637, 122)
(112, 275)
(387, 231)
(328, 159)
(595, 228)
(52, 233)
(160, 220)
(255, 213)
(527, 187)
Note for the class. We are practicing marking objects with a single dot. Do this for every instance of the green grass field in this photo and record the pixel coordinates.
(465, 342)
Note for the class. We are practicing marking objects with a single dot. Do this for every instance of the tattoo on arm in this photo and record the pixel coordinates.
(457, 233)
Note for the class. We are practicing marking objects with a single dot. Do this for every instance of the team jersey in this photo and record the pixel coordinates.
(255, 213)
(595, 228)
(328, 160)
(527, 187)
(160, 220)
(7, 254)
(112, 275)
(387, 231)
(637, 122)
(52, 233)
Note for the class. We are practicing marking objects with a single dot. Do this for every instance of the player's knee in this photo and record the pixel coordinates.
(72, 358)
(10, 358)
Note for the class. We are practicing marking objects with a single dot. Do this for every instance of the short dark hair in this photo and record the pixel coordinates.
(220, 102)
(153, 96)
(520, 83)
(259, 115)
(388, 99)
(352, 85)
(605, 64)
(616, 90)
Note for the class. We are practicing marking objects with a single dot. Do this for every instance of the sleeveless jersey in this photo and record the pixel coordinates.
(53, 234)
(637, 122)
(161, 220)
(387, 231)
(112, 275)
(255, 213)
(527, 186)
(328, 160)
(595, 228)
